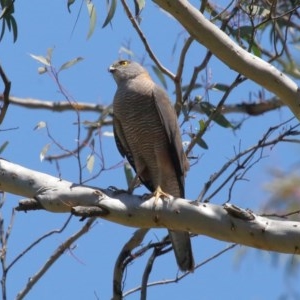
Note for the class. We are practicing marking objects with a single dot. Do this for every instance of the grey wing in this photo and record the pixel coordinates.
(121, 142)
(169, 121)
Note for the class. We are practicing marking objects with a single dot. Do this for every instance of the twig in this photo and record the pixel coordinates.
(145, 42)
(54, 257)
(179, 98)
(217, 111)
(179, 278)
(36, 242)
(251, 152)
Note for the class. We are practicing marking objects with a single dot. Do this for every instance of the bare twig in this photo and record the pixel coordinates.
(250, 152)
(54, 257)
(36, 242)
(145, 42)
(180, 277)
(178, 78)
(217, 111)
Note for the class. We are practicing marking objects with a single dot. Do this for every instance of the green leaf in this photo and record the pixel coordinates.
(128, 173)
(138, 6)
(194, 87)
(202, 125)
(209, 109)
(256, 10)
(111, 12)
(41, 59)
(243, 32)
(160, 76)
(7, 10)
(90, 162)
(70, 63)
(199, 140)
(14, 28)
(93, 17)
(201, 143)
(2, 31)
(3, 146)
(255, 50)
(70, 2)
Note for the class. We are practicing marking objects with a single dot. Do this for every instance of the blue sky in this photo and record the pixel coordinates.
(241, 273)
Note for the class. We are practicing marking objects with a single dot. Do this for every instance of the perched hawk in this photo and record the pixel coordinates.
(147, 133)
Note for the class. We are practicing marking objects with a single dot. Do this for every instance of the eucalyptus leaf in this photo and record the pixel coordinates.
(93, 17)
(90, 162)
(44, 151)
(138, 6)
(111, 13)
(3, 146)
(209, 109)
(41, 59)
(201, 143)
(128, 173)
(70, 2)
(14, 28)
(160, 76)
(70, 63)
(220, 87)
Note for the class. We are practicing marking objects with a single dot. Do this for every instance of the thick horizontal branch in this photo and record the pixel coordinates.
(235, 57)
(252, 109)
(227, 223)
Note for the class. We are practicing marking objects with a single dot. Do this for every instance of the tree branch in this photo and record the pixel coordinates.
(58, 106)
(226, 223)
(252, 109)
(233, 55)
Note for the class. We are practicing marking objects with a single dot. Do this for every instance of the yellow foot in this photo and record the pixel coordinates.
(159, 193)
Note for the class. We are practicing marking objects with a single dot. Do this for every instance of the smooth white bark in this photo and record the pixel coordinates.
(232, 54)
(226, 223)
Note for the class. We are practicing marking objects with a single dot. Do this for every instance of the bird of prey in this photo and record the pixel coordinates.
(147, 133)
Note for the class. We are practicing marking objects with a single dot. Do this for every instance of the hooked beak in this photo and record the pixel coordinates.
(111, 69)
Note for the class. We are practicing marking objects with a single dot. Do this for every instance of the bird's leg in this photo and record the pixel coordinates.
(159, 193)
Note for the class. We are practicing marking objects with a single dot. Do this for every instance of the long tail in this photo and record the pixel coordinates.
(183, 250)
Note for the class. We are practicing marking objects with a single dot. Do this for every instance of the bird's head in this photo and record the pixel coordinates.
(124, 70)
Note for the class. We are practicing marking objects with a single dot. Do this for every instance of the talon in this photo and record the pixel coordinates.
(159, 193)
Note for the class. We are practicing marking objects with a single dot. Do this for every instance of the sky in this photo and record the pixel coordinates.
(85, 272)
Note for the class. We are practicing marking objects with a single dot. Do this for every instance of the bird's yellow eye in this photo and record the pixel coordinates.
(123, 63)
